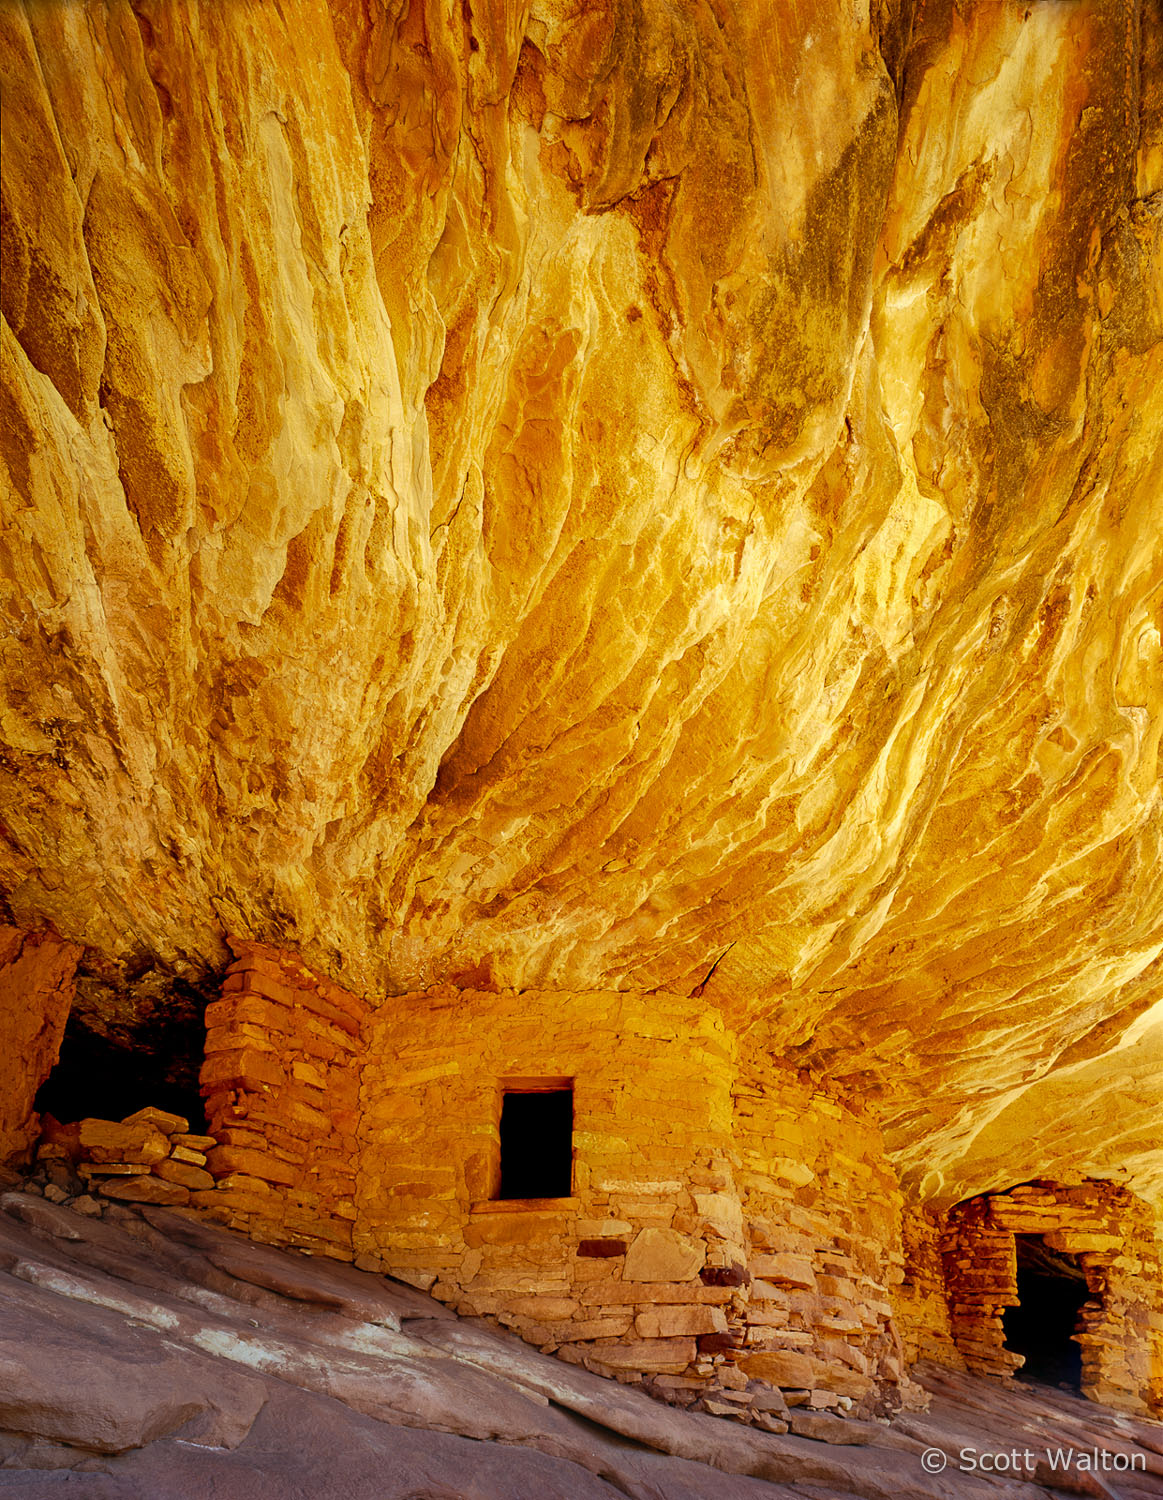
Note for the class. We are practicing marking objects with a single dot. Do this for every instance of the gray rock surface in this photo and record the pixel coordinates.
(146, 1356)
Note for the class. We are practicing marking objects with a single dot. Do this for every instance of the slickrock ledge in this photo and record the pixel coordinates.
(669, 501)
(147, 1354)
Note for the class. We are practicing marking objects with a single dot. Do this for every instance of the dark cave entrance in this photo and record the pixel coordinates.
(1052, 1289)
(129, 1043)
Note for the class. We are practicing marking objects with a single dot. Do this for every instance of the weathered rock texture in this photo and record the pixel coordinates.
(511, 498)
(285, 1052)
(36, 989)
(725, 1217)
(144, 1354)
(149, 1157)
(726, 1229)
(921, 1300)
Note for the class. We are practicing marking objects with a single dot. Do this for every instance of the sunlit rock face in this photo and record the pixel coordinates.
(571, 500)
(36, 990)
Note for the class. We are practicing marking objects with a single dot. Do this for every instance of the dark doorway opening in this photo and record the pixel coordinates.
(1052, 1289)
(537, 1143)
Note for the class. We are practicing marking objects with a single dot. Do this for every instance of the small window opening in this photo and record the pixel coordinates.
(1051, 1290)
(537, 1143)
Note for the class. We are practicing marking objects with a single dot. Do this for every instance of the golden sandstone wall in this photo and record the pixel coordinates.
(663, 506)
(652, 1133)
(821, 1207)
(497, 501)
(729, 1220)
(921, 1301)
(734, 1234)
(284, 1050)
(726, 1218)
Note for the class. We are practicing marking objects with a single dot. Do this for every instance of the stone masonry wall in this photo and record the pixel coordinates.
(148, 1157)
(284, 1050)
(724, 1229)
(609, 1276)
(822, 1216)
(732, 1226)
(920, 1303)
(1112, 1236)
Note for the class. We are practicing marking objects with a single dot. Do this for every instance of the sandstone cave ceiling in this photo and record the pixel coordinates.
(635, 496)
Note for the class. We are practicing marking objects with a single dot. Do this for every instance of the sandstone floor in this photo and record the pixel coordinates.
(144, 1356)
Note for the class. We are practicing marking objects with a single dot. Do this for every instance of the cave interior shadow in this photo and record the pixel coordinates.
(1052, 1290)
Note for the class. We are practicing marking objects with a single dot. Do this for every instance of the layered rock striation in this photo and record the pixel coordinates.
(658, 499)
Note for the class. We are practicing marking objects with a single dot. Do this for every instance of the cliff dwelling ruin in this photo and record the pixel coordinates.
(581, 695)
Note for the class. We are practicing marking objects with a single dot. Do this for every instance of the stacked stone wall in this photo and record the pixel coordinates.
(611, 1275)
(725, 1228)
(148, 1157)
(981, 1279)
(920, 1302)
(1112, 1236)
(822, 1214)
(730, 1224)
(731, 1227)
(284, 1050)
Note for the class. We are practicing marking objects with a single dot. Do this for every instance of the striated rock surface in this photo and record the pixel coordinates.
(148, 1355)
(535, 497)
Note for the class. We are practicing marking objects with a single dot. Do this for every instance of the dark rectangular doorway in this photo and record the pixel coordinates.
(1051, 1290)
(537, 1143)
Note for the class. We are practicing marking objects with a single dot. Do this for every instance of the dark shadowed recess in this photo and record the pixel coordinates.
(132, 1038)
(1051, 1290)
(537, 1144)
